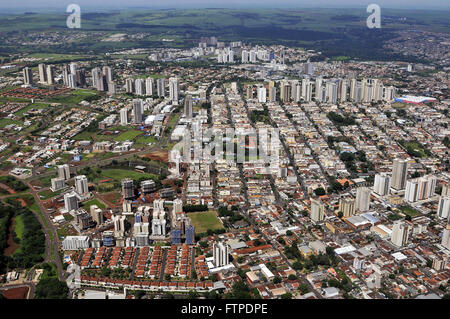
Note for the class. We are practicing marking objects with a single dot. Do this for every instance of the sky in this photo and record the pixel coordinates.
(181, 4)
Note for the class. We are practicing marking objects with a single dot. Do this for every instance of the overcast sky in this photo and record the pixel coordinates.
(114, 4)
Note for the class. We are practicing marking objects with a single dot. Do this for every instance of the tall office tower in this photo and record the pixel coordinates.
(64, 171)
(124, 116)
(445, 190)
(96, 214)
(343, 95)
(81, 77)
(50, 75)
(382, 184)
(285, 91)
(420, 188)
(174, 89)
(127, 188)
(272, 93)
(73, 68)
(331, 92)
(139, 87)
(444, 207)
(161, 87)
(71, 201)
(129, 85)
(400, 233)
(149, 86)
(399, 174)
(221, 254)
(262, 94)
(446, 237)
(27, 76)
(107, 71)
(347, 206)
(81, 184)
(42, 73)
(362, 199)
(72, 81)
(245, 56)
(188, 109)
(137, 111)
(119, 225)
(317, 210)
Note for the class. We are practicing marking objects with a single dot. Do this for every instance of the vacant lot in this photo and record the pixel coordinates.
(203, 221)
(128, 136)
(119, 174)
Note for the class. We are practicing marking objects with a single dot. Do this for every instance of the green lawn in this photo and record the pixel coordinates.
(95, 201)
(19, 228)
(146, 140)
(202, 221)
(74, 97)
(4, 122)
(84, 136)
(44, 195)
(119, 174)
(128, 135)
(408, 210)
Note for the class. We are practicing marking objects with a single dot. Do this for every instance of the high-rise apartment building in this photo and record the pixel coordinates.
(399, 174)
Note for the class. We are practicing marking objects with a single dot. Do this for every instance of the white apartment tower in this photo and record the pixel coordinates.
(399, 174)
(221, 254)
(81, 184)
(362, 199)
(382, 184)
(317, 210)
(400, 233)
(174, 89)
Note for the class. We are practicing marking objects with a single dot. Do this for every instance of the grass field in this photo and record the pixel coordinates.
(128, 135)
(83, 136)
(44, 195)
(19, 228)
(95, 201)
(74, 97)
(119, 174)
(409, 211)
(146, 140)
(202, 221)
